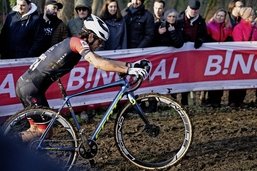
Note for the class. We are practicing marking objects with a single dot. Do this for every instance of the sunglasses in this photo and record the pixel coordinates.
(82, 9)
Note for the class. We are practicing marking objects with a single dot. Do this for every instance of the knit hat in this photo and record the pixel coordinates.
(194, 4)
(83, 3)
(245, 12)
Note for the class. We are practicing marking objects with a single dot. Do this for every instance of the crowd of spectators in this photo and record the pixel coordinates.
(26, 33)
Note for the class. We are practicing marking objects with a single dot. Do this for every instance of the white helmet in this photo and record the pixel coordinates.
(98, 26)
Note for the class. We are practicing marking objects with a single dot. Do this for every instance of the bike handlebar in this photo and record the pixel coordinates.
(136, 84)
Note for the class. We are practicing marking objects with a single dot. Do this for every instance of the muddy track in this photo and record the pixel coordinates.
(224, 139)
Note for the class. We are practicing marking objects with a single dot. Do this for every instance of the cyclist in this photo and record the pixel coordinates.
(59, 60)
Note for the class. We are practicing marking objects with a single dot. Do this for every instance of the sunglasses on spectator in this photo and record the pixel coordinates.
(82, 9)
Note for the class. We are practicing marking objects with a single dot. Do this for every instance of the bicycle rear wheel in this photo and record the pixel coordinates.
(162, 142)
(61, 140)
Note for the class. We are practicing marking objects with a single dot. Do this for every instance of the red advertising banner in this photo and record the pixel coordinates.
(229, 65)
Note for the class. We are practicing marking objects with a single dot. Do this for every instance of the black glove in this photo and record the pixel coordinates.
(145, 64)
(198, 43)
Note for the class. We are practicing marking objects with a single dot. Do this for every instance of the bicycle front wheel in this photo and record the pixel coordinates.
(160, 143)
(60, 142)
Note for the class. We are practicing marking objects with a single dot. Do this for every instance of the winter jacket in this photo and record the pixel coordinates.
(218, 32)
(48, 33)
(194, 29)
(244, 31)
(169, 38)
(18, 33)
(118, 34)
(75, 25)
(140, 27)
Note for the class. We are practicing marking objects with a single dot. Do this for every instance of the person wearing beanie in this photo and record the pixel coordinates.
(83, 10)
(140, 25)
(18, 32)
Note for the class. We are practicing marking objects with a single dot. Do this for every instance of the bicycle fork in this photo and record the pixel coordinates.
(151, 129)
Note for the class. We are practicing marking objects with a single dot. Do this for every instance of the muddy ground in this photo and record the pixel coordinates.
(224, 139)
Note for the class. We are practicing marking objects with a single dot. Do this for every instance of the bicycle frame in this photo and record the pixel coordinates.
(124, 90)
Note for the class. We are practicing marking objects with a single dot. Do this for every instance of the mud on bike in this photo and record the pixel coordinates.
(152, 131)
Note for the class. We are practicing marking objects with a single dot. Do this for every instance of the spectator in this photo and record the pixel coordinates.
(51, 29)
(140, 25)
(194, 30)
(167, 32)
(233, 11)
(219, 30)
(111, 15)
(243, 31)
(158, 9)
(18, 32)
(83, 10)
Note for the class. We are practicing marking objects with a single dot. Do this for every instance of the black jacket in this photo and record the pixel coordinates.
(193, 31)
(172, 38)
(140, 27)
(48, 34)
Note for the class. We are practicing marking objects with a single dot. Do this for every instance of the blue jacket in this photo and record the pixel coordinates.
(118, 35)
(18, 33)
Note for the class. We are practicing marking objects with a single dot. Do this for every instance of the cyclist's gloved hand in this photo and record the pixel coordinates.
(138, 64)
(138, 72)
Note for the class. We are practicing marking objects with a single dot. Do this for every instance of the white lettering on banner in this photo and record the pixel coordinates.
(172, 69)
(227, 62)
(218, 59)
(239, 61)
(76, 76)
(161, 70)
(7, 86)
(214, 66)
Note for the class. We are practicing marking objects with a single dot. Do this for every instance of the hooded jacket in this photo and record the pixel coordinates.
(18, 33)
(75, 25)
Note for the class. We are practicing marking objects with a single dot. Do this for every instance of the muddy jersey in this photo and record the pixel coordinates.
(60, 58)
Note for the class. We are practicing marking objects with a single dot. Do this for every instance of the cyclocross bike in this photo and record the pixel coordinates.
(152, 131)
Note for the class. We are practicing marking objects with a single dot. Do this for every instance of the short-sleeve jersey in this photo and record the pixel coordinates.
(60, 58)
